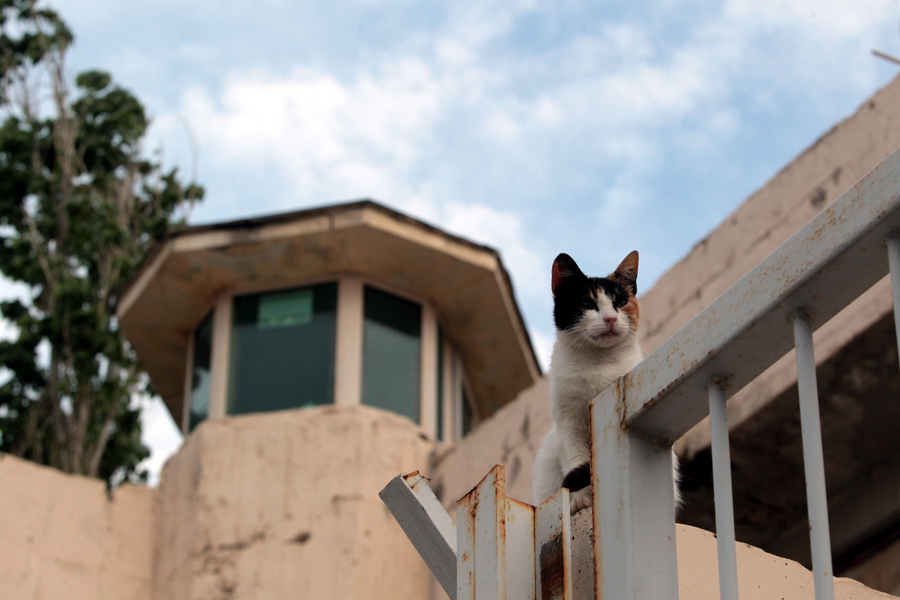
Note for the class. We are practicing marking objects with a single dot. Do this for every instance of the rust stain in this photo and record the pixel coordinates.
(553, 569)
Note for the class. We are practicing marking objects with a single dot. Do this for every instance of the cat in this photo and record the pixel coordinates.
(597, 321)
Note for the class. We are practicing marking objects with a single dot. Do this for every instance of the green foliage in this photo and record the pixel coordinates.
(79, 207)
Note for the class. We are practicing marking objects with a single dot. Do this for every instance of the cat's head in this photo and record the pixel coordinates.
(596, 311)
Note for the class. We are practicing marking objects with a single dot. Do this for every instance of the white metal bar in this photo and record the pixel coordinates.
(634, 507)
(553, 548)
(465, 548)
(426, 524)
(481, 540)
(520, 563)
(721, 459)
(813, 459)
(893, 247)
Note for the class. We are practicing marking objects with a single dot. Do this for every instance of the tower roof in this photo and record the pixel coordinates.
(179, 281)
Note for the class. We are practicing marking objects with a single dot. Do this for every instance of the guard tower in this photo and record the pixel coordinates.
(307, 356)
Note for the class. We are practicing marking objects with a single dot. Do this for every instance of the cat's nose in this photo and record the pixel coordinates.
(610, 321)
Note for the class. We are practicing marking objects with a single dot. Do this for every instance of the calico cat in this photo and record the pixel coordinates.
(596, 322)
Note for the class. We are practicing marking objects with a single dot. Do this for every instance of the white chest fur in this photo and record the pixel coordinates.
(577, 375)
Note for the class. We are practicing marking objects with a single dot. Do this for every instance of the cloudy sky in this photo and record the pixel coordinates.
(535, 127)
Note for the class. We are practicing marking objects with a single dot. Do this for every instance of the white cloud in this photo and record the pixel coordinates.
(502, 230)
(829, 20)
(328, 139)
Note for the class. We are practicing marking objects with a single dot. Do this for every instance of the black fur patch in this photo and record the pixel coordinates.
(578, 478)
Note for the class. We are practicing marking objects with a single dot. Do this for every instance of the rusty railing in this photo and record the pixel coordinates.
(776, 307)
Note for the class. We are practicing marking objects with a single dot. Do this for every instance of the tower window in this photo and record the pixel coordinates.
(392, 341)
(200, 373)
(282, 350)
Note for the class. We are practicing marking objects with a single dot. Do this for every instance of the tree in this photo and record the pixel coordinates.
(79, 207)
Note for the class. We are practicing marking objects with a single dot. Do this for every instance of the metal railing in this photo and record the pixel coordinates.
(776, 307)
(829, 263)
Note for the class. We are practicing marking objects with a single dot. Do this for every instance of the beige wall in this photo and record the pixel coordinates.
(61, 537)
(247, 511)
(276, 505)
(285, 505)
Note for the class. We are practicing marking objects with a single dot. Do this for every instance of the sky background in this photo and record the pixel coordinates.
(592, 128)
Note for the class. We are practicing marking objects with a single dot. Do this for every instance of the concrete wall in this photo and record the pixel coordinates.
(259, 519)
(62, 537)
(285, 505)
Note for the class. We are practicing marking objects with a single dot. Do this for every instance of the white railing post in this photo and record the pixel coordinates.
(553, 548)
(495, 543)
(426, 524)
(481, 540)
(813, 459)
(724, 503)
(634, 506)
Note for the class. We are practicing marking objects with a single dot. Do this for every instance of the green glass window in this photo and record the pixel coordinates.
(392, 331)
(200, 373)
(282, 350)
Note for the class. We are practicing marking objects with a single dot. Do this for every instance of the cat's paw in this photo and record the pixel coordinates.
(580, 500)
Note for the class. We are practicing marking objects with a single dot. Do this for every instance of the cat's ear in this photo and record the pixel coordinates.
(564, 267)
(627, 271)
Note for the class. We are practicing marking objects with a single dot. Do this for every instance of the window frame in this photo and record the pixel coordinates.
(348, 357)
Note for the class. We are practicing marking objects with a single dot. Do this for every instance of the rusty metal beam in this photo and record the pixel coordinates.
(634, 507)
(481, 540)
(520, 548)
(553, 548)
(426, 524)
